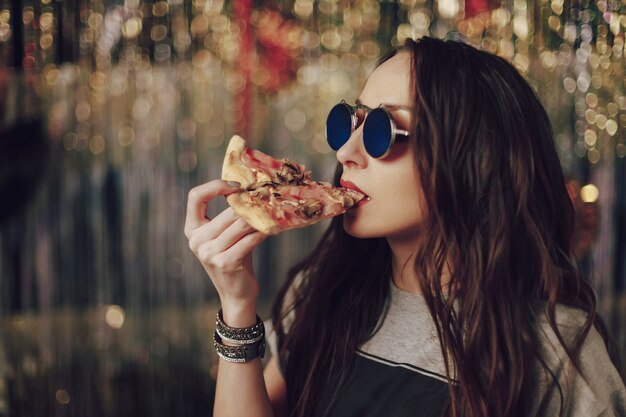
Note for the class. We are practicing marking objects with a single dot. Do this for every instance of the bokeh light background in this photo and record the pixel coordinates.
(111, 110)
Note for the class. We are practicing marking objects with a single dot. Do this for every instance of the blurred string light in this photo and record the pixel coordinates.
(150, 91)
(122, 57)
(62, 397)
(589, 193)
(114, 316)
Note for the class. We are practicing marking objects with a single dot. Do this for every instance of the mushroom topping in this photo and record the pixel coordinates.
(263, 192)
(284, 177)
(290, 203)
(290, 173)
(287, 163)
(258, 185)
(312, 207)
(347, 201)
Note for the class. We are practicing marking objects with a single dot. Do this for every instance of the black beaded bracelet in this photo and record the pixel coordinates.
(239, 336)
(239, 354)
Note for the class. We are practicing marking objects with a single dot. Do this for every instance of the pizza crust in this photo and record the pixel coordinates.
(233, 168)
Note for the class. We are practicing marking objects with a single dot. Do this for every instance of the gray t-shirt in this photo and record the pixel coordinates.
(400, 370)
(598, 392)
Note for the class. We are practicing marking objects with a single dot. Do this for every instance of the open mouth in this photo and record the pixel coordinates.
(352, 186)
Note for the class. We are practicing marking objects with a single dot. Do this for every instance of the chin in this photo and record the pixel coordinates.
(362, 229)
(357, 229)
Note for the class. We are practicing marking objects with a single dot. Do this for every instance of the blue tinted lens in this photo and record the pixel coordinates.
(338, 126)
(377, 133)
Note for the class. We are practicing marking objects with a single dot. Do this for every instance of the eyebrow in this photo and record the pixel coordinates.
(389, 106)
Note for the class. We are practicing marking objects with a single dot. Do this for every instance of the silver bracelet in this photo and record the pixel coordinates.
(239, 354)
(237, 335)
(239, 342)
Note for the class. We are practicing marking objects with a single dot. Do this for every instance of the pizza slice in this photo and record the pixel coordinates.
(278, 195)
(254, 168)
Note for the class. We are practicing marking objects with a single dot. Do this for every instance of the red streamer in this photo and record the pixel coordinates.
(243, 100)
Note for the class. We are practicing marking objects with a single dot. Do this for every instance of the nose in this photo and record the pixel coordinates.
(353, 153)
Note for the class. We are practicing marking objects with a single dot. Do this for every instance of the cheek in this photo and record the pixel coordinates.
(401, 197)
(401, 211)
(396, 209)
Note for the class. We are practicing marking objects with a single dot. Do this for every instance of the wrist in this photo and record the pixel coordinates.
(234, 343)
(238, 314)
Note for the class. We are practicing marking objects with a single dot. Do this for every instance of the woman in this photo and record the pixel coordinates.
(451, 292)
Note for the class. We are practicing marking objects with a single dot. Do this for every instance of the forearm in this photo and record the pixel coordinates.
(224, 246)
(240, 389)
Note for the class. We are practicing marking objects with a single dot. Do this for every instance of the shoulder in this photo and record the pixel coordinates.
(596, 389)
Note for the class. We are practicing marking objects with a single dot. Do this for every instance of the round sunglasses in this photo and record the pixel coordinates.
(379, 129)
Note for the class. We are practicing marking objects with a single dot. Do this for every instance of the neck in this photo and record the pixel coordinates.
(403, 259)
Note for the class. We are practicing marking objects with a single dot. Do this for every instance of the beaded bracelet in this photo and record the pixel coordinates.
(239, 336)
(239, 354)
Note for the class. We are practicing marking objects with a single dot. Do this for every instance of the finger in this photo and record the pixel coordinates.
(199, 197)
(245, 245)
(233, 234)
(230, 236)
(231, 258)
(213, 228)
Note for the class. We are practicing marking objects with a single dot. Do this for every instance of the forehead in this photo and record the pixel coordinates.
(389, 83)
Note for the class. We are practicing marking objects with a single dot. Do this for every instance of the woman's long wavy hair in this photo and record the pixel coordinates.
(498, 214)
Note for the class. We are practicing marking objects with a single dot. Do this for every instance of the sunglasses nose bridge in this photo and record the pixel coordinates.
(356, 133)
(360, 114)
(352, 150)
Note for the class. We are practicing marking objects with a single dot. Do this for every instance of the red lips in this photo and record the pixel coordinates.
(352, 186)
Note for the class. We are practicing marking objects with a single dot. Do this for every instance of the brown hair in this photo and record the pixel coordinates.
(499, 213)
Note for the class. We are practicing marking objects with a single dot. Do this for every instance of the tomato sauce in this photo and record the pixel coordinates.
(257, 159)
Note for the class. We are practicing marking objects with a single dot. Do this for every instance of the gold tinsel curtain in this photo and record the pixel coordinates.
(110, 111)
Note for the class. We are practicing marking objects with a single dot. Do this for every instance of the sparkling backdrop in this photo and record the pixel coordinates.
(112, 110)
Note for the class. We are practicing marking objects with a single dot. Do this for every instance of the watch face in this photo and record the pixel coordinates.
(262, 348)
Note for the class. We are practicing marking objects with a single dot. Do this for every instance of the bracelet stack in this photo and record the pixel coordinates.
(249, 342)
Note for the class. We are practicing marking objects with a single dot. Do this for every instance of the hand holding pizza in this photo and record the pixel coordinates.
(268, 197)
(224, 246)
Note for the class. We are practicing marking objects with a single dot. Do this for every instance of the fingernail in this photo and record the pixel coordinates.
(233, 184)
